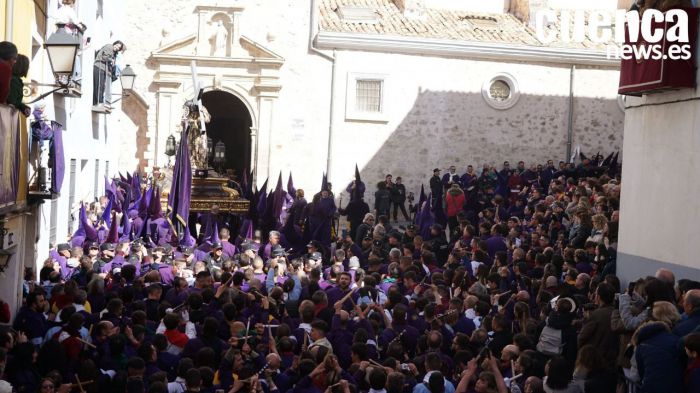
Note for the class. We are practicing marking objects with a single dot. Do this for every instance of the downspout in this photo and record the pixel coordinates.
(9, 15)
(330, 120)
(570, 128)
(312, 33)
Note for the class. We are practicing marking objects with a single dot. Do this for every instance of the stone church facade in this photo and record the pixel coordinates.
(396, 86)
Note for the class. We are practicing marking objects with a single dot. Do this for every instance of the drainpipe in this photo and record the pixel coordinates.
(9, 14)
(570, 128)
(312, 33)
(330, 120)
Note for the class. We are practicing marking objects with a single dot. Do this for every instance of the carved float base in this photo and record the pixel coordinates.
(211, 191)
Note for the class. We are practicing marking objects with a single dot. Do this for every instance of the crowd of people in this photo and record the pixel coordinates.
(503, 281)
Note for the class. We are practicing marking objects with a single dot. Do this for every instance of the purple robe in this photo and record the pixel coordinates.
(321, 220)
(229, 250)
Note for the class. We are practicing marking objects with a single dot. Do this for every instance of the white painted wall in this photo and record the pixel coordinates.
(660, 214)
(87, 136)
(438, 117)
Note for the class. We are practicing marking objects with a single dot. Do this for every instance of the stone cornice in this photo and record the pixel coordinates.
(463, 49)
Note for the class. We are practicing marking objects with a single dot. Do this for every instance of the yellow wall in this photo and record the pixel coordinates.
(3, 4)
(22, 20)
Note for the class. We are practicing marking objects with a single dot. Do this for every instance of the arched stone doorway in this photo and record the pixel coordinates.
(230, 124)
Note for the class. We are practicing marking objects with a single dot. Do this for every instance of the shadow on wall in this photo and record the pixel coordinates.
(445, 128)
(136, 110)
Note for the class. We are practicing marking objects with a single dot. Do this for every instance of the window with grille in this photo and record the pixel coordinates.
(107, 169)
(53, 221)
(71, 195)
(97, 179)
(499, 90)
(369, 96)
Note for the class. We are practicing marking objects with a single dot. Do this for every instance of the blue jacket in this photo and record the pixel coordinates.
(687, 326)
(658, 359)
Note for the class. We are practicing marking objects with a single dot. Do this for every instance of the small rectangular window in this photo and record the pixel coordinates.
(53, 221)
(71, 195)
(369, 96)
(97, 179)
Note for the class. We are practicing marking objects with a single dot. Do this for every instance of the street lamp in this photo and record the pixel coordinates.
(219, 155)
(170, 148)
(62, 49)
(127, 77)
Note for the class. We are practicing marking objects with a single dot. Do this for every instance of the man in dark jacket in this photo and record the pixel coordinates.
(30, 320)
(436, 187)
(398, 199)
(691, 306)
(597, 331)
(382, 200)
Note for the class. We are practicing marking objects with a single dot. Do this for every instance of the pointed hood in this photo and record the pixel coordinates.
(135, 187)
(278, 199)
(144, 203)
(426, 219)
(421, 199)
(128, 177)
(208, 228)
(107, 214)
(127, 234)
(113, 235)
(246, 229)
(262, 200)
(607, 159)
(357, 192)
(122, 178)
(215, 233)
(78, 237)
(155, 209)
(440, 216)
(290, 186)
(110, 190)
(324, 183)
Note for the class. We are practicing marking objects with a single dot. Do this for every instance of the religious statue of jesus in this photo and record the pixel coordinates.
(196, 138)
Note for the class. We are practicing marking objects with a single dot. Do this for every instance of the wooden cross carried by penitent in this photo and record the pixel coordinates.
(198, 92)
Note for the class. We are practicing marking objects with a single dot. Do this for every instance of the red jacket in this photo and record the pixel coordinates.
(455, 203)
(176, 338)
(5, 78)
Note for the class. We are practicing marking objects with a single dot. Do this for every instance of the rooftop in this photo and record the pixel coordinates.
(385, 18)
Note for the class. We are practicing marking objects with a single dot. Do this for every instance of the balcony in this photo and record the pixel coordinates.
(10, 166)
(662, 66)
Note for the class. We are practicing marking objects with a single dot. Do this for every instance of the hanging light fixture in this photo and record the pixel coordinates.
(170, 146)
(127, 78)
(220, 153)
(62, 49)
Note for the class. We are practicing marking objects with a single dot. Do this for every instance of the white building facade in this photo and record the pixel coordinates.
(91, 140)
(395, 87)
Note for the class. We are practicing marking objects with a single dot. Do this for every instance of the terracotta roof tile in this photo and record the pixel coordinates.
(439, 24)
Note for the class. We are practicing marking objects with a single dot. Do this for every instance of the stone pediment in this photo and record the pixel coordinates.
(216, 40)
(247, 50)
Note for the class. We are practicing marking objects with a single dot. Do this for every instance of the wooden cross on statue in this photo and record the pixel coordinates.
(198, 92)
